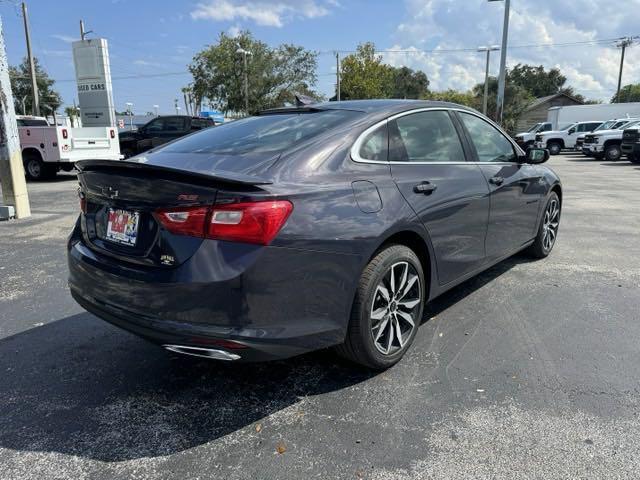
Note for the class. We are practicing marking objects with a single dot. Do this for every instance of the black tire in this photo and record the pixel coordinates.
(634, 158)
(613, 153)
(540, 248)
(359, 345)
(34, 167)
(554, 148)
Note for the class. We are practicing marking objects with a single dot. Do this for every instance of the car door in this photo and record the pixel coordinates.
(172, 128)
(449, 195)
(516, 188)
(149, 135)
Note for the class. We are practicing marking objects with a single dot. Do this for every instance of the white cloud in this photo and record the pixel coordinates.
(262, 12)
(147, 63)
(233, 31)
(64, 38)
(446, 24)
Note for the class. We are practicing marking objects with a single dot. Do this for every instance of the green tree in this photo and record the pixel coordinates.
(50, 99)
(538, 81)
(73, 113)
(408, 83)
(364, 75)
(516, 100)
(274, 74)
(628, 93)
(468, 99)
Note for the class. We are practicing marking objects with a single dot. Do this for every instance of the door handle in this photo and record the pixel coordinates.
(496, 181)
(425, 188)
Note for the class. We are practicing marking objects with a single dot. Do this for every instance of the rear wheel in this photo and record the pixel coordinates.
(634, 158)
(35, 168)
(613, 153)
(548, 229)
(554, 148)
(387, 310)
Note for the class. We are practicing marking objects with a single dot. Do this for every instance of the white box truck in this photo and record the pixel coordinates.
(49, 149)
(561, 116)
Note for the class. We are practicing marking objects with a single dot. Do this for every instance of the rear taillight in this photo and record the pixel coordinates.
(65, 134)
(83, 201)
(246, 222)
(184, 220)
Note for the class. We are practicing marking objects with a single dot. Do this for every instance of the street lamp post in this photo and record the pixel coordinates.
(130, 113)
(155, 109)
(246, 78)
(489, 49)
(503, 60)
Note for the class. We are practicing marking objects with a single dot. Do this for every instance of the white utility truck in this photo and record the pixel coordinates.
(48, 149)
(607, 144)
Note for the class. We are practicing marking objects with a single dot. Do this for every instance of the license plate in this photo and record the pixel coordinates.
(122, 227)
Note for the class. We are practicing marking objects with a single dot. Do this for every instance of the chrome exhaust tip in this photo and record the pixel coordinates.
(204, 352)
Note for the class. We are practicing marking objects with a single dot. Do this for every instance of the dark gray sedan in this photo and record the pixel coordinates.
(305, 228)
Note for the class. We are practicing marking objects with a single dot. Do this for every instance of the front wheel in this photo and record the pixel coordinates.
(35, 168)
(613, 153)
(634, 158)
(554, 148)
(548, 229)
(387, 309)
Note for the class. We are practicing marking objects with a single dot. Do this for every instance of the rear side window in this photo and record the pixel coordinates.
(491, 145)
(200, 123)
(174, 124)
(27, 122)
(375, 145)
(426, 137)
(262, 134)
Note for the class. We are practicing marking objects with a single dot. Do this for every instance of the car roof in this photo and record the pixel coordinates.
(389, 106)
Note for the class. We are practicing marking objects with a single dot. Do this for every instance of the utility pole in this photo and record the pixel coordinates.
(503, 61)
(14, 185)
(488, 49)
(32, 66)
(623, 44)
(338, 76)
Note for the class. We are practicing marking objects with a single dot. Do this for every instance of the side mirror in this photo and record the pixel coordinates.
(572, 131)
(536, 156)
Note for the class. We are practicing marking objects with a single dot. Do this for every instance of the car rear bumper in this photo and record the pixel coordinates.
(268, 304)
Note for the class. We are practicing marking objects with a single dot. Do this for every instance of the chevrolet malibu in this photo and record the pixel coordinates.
(329, 225)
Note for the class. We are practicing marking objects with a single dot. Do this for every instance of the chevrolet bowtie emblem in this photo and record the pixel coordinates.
(109, 192)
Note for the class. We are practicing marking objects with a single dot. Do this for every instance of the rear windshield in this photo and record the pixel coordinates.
(262, 134)
(32, 122)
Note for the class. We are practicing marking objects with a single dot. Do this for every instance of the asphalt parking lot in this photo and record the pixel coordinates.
(531, 370)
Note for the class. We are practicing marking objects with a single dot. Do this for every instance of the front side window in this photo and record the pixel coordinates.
(425, 137)
(546, 128)
(375, 145)
(155, 125)
(491, 145)
(174, 124)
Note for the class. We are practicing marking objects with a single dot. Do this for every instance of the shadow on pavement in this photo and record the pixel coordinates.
(80, 387)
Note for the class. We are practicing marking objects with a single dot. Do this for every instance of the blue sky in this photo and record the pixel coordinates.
(160, 37)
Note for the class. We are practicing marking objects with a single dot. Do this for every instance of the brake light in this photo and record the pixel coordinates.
(249, 222)
(184, 220)
(65, 134)
(246, 222)
(112, 133)
(83, 201)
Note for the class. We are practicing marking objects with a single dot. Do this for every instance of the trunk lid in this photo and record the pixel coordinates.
(112, 190)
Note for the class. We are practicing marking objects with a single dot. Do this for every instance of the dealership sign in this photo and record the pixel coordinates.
(93, 74)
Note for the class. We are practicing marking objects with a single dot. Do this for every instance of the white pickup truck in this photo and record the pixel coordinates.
(48, 149)
(528, 138)
(607, 143)
(564, 138)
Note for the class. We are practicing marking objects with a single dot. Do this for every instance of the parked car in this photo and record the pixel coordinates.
(48, 149)
(564, 139)
(607, 143)
(305, 228)
(631, 143)
(525, 140)
(160, 130)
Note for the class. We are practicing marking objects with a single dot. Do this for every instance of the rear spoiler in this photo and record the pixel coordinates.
(217, 175)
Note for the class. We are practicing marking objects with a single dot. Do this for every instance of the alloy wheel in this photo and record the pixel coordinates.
(550, 225)
(395, 308)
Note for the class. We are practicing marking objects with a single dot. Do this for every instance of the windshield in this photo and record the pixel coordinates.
(262, 134)
(626, 124)
(607, 125)
(565, 126)
(534, 128)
